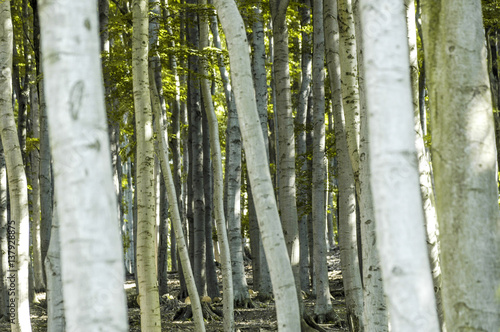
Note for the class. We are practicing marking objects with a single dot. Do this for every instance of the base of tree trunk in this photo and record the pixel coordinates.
(209, 312)
(244, 303)
(308, 323)
(262, 297)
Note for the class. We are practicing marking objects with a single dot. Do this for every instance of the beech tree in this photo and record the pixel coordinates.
(162, 150)
(323, 308)
(216, 155)
(18, 226)
(349, 257)
(146, 263)
(464, 161)
(395, 180)
(287, 307)
(91, 253)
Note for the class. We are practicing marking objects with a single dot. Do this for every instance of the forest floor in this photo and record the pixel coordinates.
(261, 318)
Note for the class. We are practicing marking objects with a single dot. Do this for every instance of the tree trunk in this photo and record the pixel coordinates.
(4, 244)
(287, 307)
(55, 302)
(195, 128)
(323, 307)
(162, 261)
(349, 76)
(146, 264)
(286, 141)
(262, 281)
(464, 163)
(35, 196)
(347, 231)
(426, 187)
(227, 282)
(46, 209)
(91, 250)
(161, 131)
(303, 185)
(212, 283)
(375, 315)
(18, 225)
(233, 216)
(395, 180)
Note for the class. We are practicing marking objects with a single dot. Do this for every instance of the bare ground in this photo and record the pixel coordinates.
(262, 318)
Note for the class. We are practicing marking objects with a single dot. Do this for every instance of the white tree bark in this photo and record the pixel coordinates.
(287, 306)
(464, 163)
(375, 316)
(349, 78)
(18, 225)
(146, 262)
(91, 250)
(395, 179)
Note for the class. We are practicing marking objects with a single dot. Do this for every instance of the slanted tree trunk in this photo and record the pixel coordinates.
(18, 224)
(464, 163)
(146, 263)
(347, 191)
(91, 250)
(287, 306)
(395, 180)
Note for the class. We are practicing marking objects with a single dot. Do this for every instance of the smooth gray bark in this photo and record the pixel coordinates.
(91, 251)
(145, 250)
(287, 306)
(464, 161)
(393, 165)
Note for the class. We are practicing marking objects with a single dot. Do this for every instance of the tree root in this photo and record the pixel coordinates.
(244, 303)
(308, 322)
(209, 312)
